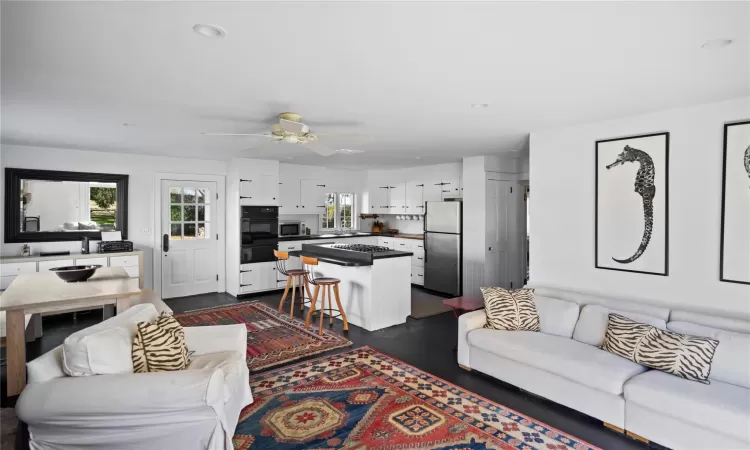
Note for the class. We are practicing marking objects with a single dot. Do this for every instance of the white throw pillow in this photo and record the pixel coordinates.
(105, 348)
(592, 323)
(556, 316)
(731, 363)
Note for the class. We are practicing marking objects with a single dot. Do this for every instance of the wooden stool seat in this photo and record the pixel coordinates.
(294, 272)
(325, 281)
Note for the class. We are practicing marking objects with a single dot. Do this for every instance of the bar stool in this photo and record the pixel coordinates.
(294, 277)
(329, 284)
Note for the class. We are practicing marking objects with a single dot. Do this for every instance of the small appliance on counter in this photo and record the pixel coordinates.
(292, 228)
(85, 245)
(113, 246)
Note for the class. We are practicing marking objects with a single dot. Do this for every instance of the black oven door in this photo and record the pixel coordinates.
(260, 232)
(257, 253)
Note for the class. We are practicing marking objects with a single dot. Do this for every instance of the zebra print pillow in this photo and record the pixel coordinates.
(686, 356)
(510, 310)
(159, 346)
(623, 335)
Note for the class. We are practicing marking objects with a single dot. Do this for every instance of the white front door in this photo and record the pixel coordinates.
(188, 246)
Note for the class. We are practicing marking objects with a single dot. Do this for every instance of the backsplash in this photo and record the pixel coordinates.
(390, 221)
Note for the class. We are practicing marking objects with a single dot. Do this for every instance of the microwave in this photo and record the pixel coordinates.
(295, 228)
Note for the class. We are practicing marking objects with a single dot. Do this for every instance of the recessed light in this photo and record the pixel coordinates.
(418, 157)
(480, 105)
(209, 30)
(713, 44)
(348, 151)
(288, 157)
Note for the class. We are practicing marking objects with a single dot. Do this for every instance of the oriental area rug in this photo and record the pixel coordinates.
(272, 338)
(364, 399)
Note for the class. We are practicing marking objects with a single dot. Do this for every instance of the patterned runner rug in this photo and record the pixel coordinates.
(272, 338)
(365, 399)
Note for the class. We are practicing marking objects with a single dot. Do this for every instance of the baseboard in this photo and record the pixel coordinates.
(468, 369)
(637, 437)
(613, 427)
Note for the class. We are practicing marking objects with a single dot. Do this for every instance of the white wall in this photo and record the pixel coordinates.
(562, 210)
(141, 170)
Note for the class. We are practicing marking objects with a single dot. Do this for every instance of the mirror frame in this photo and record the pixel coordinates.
(13, 177)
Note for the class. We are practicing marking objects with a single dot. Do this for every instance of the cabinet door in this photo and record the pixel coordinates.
(250, 192)
(289, 196)
(450, 188)
(312, 195)
(379, 202)
(397, 197)
(269, 276)
(414, 197)
(433, 191)
(269, 189)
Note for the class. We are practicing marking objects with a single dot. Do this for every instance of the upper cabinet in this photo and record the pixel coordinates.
(414, 197)
(259, 189)
(379, 198)
(312, 195)
(289, 196)
(397, 198)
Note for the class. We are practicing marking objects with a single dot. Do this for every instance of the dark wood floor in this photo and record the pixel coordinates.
(426, 344)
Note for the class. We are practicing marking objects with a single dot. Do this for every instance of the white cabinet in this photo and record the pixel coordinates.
(433, 190)
(450, 188)
(261, 189)
(129, 263)
(92, 261)
(312, 195)
(385, 242)
(47, 265)
(379, 199)
(397, 198)
(372, 240)
(417, 275)
(289, 196)
(417, 258)
(414, 197)
(402, 244)
(14, 269)
(258, 277)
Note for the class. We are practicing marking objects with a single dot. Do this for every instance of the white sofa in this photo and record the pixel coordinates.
(197, 408)
(564, 363)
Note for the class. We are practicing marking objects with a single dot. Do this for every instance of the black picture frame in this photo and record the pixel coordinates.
(13, 177)
(724, 203)
(666, 203)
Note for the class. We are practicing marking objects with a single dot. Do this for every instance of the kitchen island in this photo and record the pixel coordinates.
(375, 284)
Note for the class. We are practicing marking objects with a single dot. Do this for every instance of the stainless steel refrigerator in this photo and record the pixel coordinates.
(443, 247)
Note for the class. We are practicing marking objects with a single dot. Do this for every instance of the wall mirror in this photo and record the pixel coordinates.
(48, 205)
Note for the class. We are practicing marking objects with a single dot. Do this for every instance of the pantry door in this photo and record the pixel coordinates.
(189, 239)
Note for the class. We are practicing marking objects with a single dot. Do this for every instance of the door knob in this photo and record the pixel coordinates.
(165, 243)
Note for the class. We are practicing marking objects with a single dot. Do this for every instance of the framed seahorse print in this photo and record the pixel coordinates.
(632, 204)
(734, 266)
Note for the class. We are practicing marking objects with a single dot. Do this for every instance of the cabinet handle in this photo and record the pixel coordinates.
(419, 258)
(420, 275)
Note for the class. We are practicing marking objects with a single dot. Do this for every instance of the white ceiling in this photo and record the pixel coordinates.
(404, 74)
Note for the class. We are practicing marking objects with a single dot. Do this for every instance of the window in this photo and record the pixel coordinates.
(340, 211)
(189, 213)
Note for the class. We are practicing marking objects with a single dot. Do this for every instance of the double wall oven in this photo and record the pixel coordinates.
(260, 233)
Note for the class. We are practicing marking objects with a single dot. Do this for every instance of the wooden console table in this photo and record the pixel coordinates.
(43, 292)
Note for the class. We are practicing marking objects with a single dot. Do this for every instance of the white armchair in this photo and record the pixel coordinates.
(197, 408)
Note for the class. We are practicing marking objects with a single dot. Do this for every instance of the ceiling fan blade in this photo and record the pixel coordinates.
(319, 148)
(293, 127)
(239, 134)
(342, 135)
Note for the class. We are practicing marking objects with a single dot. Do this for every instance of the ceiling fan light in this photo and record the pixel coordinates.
(291, 139)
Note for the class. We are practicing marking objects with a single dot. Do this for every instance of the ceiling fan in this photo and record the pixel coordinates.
(291, 130)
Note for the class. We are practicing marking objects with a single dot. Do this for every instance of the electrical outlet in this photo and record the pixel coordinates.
(145, 230)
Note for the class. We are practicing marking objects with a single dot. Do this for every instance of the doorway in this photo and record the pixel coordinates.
(189, 238)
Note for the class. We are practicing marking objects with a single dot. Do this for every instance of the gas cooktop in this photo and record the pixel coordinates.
(362, 248)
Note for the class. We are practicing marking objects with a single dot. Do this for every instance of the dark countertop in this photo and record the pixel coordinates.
(325, 253)
(313, 237)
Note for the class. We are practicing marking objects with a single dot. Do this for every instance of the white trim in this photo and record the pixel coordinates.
(220, 224)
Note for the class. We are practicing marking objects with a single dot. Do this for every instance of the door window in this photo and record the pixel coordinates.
(189, 215)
